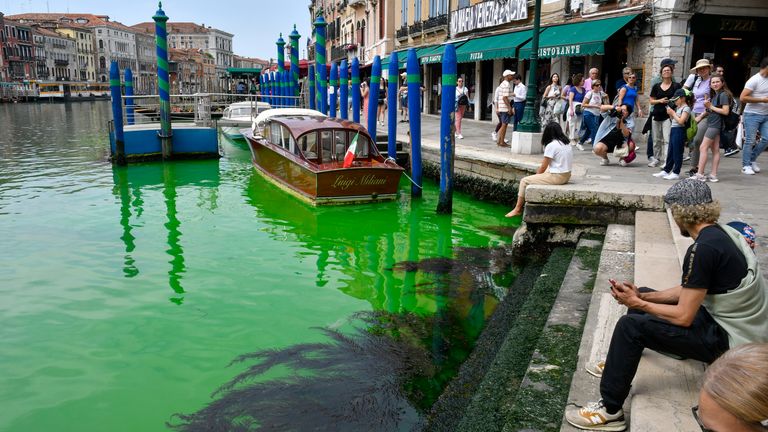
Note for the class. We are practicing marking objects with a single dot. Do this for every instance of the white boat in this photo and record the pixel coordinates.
(240, 115)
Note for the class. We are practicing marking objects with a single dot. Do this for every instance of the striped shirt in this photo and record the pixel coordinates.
(504, 90)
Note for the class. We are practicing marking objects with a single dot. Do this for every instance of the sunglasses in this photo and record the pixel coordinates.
(695, 411)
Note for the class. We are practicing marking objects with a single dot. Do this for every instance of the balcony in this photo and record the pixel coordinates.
(357, 3)
(435, 24)
(402, 33)
(59, 62)
(415, 29)
(338, 53)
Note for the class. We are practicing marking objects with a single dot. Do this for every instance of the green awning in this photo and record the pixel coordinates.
(492, 47)
(577, 39)
(243, 71)
(402, 56)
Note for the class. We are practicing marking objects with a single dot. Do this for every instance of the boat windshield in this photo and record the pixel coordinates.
(333, 145)
(240, 112)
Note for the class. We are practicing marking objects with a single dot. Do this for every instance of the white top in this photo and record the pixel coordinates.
(561, 155)
(759, 86)
(520, 92)
(593, 98)
(554, 90)
(461, 91)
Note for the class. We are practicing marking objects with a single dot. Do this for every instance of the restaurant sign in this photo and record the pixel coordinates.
(560, 50)
(488, 14)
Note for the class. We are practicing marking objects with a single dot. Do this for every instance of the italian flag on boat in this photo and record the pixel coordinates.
(350, 155)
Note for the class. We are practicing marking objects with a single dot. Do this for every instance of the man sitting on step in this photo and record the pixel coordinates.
(722, 302)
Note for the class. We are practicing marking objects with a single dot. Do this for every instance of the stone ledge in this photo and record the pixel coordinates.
(592, 193)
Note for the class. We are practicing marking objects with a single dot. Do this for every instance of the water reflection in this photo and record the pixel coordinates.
(131, 181)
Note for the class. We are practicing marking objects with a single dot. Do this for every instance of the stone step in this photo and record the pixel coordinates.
(616, 261)
(657, 264)
(543, 392)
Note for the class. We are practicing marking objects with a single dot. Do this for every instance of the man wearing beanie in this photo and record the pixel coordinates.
(721, 302)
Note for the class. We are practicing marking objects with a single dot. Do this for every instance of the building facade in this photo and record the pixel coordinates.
(145, 74)
(55, 55)
(19, 51)
(84, 42)
(3, 65)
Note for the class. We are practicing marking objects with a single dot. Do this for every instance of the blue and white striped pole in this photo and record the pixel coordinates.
(414, 120)
(129, 116)
(343, 90)
(392, 104)
(355, 90)
(117, 112)
(335, 84)
(373, 97)
(447, 150)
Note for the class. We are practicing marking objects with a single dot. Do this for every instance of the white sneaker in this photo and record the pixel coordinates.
(604, 162)
(747, 170)
(494, 136)
(660, 174)
(622, 162)
(580, 147)
(712, 178)
(686, 158)
(459, 136)
(595, 417)
(671, 176)
(699, 177)
(755, 167)
(653, 162)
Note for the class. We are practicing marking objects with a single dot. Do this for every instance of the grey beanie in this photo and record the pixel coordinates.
(688, 192)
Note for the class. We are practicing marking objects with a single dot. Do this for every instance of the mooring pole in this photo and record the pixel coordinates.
(355, 90)
(262, 87)
(294, 38)
(161, 44)
(117, 112)
(343, 90)
(414, 119)
(373, 97)
(320, 60)
(281, 68)
(311, 85)
(392, 104)
(447, 148)
(128, 96)
(332, 94)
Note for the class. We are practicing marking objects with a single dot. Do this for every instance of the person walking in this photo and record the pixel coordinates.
(506, 111)
(591, 106)
(519, 93)
(661, 95)
(382, 102)
(698, 83)
(575, 111)
(594, 74)
(462, 102)
(755, 118)
(551, 97)
(402, 95)
(364, 91)
(555, 168)
(683, 99)
(495, 133)
(718, 105)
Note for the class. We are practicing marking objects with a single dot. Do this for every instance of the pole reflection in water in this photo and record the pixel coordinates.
(174, 236)
(122, 190)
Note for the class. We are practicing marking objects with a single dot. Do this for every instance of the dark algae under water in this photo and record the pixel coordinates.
(195, 295)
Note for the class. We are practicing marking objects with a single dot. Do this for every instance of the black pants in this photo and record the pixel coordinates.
(704, 340)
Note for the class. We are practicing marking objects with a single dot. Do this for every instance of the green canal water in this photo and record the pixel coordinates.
(125, 293)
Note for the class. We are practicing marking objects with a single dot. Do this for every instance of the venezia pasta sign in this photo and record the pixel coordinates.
(488, 14)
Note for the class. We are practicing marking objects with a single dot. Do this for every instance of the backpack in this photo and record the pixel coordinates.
(691, 129)
(463, 100)
(731, 121)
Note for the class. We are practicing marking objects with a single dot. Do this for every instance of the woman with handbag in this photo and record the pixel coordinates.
(550, 98)
(462, 102)
(575, 110)
(718, 106)
(661, 95)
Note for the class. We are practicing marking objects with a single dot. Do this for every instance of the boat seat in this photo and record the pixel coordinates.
(310, 155)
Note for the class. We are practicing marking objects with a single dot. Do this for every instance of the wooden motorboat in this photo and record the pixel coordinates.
(240, 115)
(320, 159)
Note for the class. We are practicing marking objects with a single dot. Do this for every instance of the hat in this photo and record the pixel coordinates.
(668, 62)
(681, 92)
(700, 64)
(507, 73)
(688, 192)
(404, 74)
(746, 230)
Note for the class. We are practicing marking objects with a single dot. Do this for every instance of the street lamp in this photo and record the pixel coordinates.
(530, 121)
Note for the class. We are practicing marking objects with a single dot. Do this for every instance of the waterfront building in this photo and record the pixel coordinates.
(3, 65)
(145, 73)
(19, 51)
(86, 54)
(185, 69)
(55, 55)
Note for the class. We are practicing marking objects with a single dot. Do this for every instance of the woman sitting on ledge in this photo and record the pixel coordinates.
(555, 168)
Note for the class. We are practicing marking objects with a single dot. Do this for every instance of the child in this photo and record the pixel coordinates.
(682, 99)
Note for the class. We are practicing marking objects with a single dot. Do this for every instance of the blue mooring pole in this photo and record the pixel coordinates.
(355, 90)
(284, 87)
(161, 44)
(414, 120)
(128, 96)
(343, 90)
(335, 84)
(117, 112)
(392, 103)
(280, 69)
(447, 148)
(261, 86)
(294, 38)
(320, 60)
(373, 97)
(311, 85)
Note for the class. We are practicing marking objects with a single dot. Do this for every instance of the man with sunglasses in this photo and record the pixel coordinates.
(721, 302)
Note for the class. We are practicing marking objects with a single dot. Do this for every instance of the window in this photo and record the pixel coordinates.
(308, 146)
(404, 13)
(340, 144)
(416, 11)
(326, 141)
(363, 143)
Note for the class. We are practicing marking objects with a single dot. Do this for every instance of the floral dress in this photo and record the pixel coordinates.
(548, 115)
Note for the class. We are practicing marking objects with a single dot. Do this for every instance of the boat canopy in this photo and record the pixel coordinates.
(263, 117)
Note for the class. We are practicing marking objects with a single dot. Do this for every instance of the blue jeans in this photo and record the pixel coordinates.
(590, 123)
(752, 124)
(675, 152)
(519, 108)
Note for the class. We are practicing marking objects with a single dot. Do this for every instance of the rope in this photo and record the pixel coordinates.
(391, 159)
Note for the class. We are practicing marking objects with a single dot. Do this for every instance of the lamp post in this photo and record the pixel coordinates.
(530, 121)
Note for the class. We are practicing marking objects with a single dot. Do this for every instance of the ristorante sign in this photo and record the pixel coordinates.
(488, 14)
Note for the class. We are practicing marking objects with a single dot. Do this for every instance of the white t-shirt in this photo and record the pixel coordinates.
(521, 91)
(759, 86)
(561, 155)
(594, 99)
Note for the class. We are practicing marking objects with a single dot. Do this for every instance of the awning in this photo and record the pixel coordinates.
(492, 47)
(421, 52)
(577, 39)
(243, 71)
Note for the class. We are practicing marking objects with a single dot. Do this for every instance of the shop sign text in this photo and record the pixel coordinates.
(561, 50)
(488, 14)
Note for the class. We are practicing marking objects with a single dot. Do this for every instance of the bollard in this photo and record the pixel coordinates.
(311, 85)
(392, 106)
(447, 148)
(320, 61)
(373, 97)
(129, 116)
(332, 93)
(355, 90)
(280, 68)
(414, 120)
(161, 43)
(117, 112)
(294, 37)
(343, 90)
